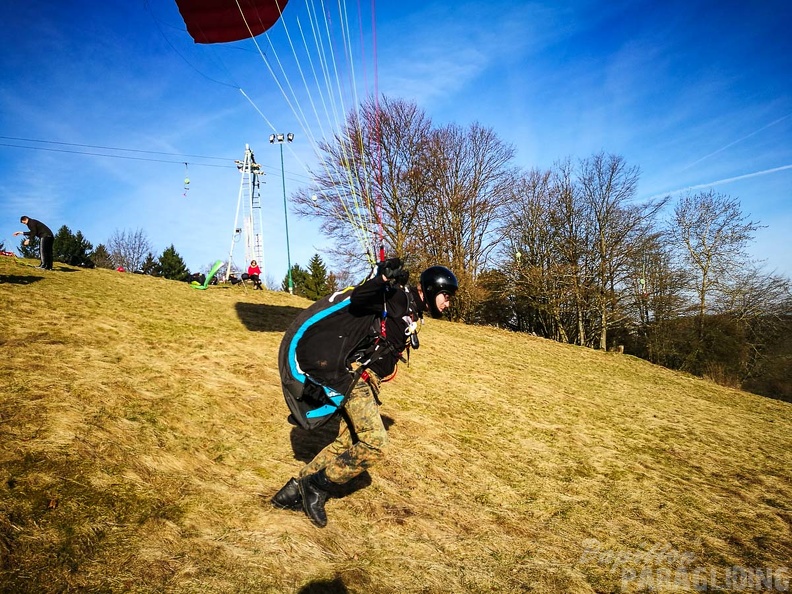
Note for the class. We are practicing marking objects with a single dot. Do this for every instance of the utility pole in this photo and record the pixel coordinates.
(247, 222)
(279, 138)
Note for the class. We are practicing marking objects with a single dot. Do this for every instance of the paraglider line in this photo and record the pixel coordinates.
(178, 53)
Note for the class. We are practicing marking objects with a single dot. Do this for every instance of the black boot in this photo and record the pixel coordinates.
(313, 489)
(288, 497)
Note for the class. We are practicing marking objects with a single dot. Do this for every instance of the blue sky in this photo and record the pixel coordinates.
(696, 94)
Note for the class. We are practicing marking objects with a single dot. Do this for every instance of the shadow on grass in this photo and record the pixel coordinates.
(334, 586)
(17, 279)
(258, 317)
(306, 444)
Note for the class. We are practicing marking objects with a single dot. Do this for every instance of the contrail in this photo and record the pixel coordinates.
(736, 141)
(728, 180)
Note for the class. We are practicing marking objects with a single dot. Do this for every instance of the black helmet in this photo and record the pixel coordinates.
(436, 280)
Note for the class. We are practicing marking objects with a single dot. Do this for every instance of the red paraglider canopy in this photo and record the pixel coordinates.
(219, 21)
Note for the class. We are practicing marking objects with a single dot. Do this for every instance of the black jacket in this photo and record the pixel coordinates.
(319, 349)
(324, 340)
(37, 229)
(376, 296)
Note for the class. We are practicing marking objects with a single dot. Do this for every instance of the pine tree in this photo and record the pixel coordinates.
(151, 266)
(84, 247)
(30, 250)
(71, 248)
(63, 245)
(299, 279)
(172, 266)
(332, 283)
(316, 283)
(101, 257)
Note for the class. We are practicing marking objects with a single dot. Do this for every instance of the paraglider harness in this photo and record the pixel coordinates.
(313, 402)
(363, 359)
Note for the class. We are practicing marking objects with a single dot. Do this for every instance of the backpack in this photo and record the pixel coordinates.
(316, 354)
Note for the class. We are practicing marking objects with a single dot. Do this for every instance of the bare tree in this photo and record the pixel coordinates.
(531, 258)
(711, 233)
(761, 304)
(433, 194)
(548, 227)
(577, 231)
(581, 261)
(129, 248)
(367, 181)
(654, 295)
(573, 234)
(608, 187)
(466, 181)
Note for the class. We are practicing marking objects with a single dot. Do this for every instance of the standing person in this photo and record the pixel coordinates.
(46, 239)
(254, 273)
(381, 321)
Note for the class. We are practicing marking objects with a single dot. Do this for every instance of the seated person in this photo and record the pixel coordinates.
(254, 274)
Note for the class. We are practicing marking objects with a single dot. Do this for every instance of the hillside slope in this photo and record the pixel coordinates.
(142, 431)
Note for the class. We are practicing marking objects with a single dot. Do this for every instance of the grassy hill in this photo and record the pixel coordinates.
(142, 432)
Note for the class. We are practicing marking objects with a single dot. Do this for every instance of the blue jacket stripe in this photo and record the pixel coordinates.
(303, 328)
(325, 410)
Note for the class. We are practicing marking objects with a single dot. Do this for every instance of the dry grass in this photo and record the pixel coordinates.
(141, 422)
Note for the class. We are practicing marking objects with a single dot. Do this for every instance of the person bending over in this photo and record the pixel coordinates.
(46, 239)
(362, 438)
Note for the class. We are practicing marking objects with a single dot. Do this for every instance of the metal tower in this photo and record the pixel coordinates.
(249, 227)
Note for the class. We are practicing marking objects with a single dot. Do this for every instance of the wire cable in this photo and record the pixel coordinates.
(296, 177)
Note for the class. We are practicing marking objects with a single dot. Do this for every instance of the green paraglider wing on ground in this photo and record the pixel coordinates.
(215, 267)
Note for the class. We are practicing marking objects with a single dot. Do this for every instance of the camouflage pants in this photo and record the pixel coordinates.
(358, 447)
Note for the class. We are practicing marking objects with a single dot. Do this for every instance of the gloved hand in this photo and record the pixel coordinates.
(401, 277)
(392, 270)
(389, 268)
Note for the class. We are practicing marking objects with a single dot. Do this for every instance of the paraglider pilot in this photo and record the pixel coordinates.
(395, 307)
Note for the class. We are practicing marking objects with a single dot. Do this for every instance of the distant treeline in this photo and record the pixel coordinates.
(129, 250)
(568, 253)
